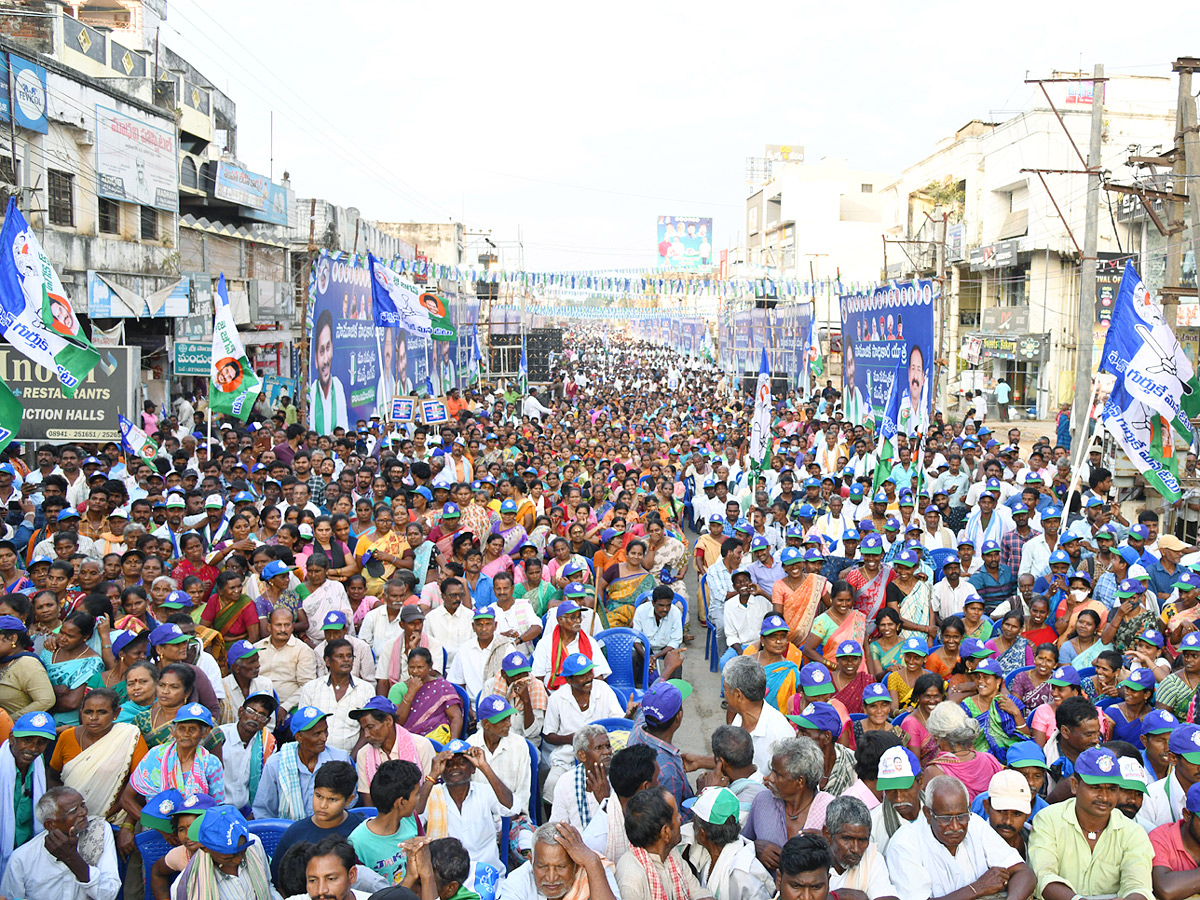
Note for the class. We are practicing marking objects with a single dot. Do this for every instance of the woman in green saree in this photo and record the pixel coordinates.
(1001, 718)
(175, 685)
(622, 583)
(70, 664)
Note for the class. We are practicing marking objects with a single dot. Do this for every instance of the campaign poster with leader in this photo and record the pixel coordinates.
(879, 329)
(355, 369)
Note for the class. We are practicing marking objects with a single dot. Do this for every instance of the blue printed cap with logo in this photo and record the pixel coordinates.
(1065, 676)
(1052, 512)
(848, 648)
(1190, 642)
(515, 663)
(716, 519)
(951, 560)
(240, 650)
(122, 639)
(1186, 580)
(664, 700)
(759, 543)
(484, 612)
(906, 558)
(508, 506)
(857, 490)
(875, 693)
(305, 718)
(1080, 576)
(819, 716)
(989, 547)
(773, 623)
(813, 554)
(1018, 508)
(1139, 533)
(1159, 721)
(178, 600)
(274, 569)
(35, 724)
(989, 667)
(166, 634)
(815, 680)
(973, 648)
(194, 712)
(891, 524)
(1185, 741)
(879, 497)
(1025, 754)
(573, 569)
(1058, 556)
(791, 556)
(872, 543)
(1098, 765)
(451, 511)
(743, 527)
(972, 598)
(1151, 636)
(221, 829)
(576, 664)
(334, 620)
(375, 705)
(494, 708)
(160, 808)
(916, 646)
(850, 534)
(1139, 680)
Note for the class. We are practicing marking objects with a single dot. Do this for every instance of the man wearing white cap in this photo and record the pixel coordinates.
(1008, 805)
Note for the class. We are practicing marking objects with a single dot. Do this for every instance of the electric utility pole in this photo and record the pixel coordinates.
(1087, 262)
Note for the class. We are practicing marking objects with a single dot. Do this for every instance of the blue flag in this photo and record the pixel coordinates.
(395, 303)
(523, 369)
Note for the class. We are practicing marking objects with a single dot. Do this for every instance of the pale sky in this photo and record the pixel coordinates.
(581, 127)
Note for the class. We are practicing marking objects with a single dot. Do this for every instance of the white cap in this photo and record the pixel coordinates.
(1009, 789)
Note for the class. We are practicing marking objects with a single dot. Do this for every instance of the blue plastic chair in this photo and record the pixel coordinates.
(505, 840)
(535, 761)
(937, 559)
(1011, 676)
(365, 811)
(711, 642)
(613, 724)
(152, 847)
(269, 831)
(467, 708)
(857, 717)
(1086, 672)
(618, 646)
(901, 717)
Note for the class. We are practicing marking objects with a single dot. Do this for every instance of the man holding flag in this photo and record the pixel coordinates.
(1155, 392)
(760, 425)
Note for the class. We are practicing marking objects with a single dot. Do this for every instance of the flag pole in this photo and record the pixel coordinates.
(1082, 452)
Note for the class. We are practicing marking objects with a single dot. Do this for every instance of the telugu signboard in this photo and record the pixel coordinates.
(192, 359)
(135, 161)
(240, 186)
(684, 243)
(91, 415)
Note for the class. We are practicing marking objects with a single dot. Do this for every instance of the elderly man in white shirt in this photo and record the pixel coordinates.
(857, 863)
(745, 691)
(583, 787)
(950, 848)
(506, 752)
(566, 862)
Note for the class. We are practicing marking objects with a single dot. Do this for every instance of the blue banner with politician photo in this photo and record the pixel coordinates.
(355, 369)
(879, 329)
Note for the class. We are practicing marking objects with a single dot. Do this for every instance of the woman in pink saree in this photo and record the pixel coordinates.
(870, 578)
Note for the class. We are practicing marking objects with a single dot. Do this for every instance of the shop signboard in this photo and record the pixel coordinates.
(1000, 255)
(1016, 347)
(91, 415)
(192, 359)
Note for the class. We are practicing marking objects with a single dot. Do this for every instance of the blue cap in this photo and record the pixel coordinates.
(334, 619)
(507, 506)
(1065, 676)
(872, 543)
(819, 716)
(240, 650)
(178, 600)
(375, 704)
(515, 663)
(194, 712)
(569, 606)
(1052, 512)
(1139, 532)
(879, 497)
(849, 648)
(1128, 554)
(965, 542)
(1186, 580)
(576, 664)
(1026, 753)
(35, 724)
(1139, 680)
(450, 511)
(773, 623)
(12, 623)
(816, 679)
(221, 829)
(1185, 740)
(811, 482)
(743, 526)
(812, 554)
(1098, 765)
(716, 519)
(194, 803)
(424, 492)
(850, 534)
(1059, 556)
(953, 558)
(163, 634)
(758, 542)
(1151, 636)
(906, 558)
(305, 718)
(1159, 721)
(971, 598)
(875, 693)
(243, 497)
(915, 645)
(1191, 642)
(989, 547)
(484, 612)
(989, 667)
(1068, 538)
(891, 523)
(806, 511)
(791, 555)
(68, 513)
(857, 490)
(973, 648)
(274, 568)
(1018, 508)
(662, 702)
(494, 708)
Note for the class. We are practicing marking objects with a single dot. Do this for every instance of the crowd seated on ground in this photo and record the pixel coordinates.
(396, 663)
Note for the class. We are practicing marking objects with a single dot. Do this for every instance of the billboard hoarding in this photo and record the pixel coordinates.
(878, 330)
(684, 243)
(91, 415)
(28, 94)
(135, 161)
(240, 186)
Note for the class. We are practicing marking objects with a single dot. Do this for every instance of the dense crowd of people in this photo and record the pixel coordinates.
(454, 664)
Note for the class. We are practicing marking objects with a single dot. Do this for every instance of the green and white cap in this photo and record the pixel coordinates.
(715, 805)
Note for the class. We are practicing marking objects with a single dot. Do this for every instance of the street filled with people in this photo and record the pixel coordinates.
(455, 663)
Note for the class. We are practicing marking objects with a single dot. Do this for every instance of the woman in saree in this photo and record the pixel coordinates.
(527, 510)
(495, 560)
(1032, 688)
(958, 736)
(342, 563)
(1180, 617)
(97, 756)
(510, 529)
(431, 707)
(268, 532)
(1106, 682)
(886, 649)
(834, 627)
(191, 547)
(70, 664)
(238, 540)
(870, 578)
(850, 676)
(128, 648)
(561, 548)
(975, 623)
(621, 584)
(1038, 630)
(797, 595)
(539, 592)
(386, 546)
(783, 674)
(175, 684)
(141, 684)
(181, 763)
(876, 704)
(666, 558)
(901, 684)
(1001, 718)
(47, 619)
(276, 578)
(928, 692)
(912, 597)
(1013, 651)
(1079, 599)
(1084, 644)
(708, 545)
(426, 560)
(324, 596)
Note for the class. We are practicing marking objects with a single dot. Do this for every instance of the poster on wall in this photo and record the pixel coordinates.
(135, 161)
(879, 329)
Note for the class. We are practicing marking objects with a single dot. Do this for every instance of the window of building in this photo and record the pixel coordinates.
(7, 175)
(110, 216)
(149, 223)
(867, 189)
(62, 205)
